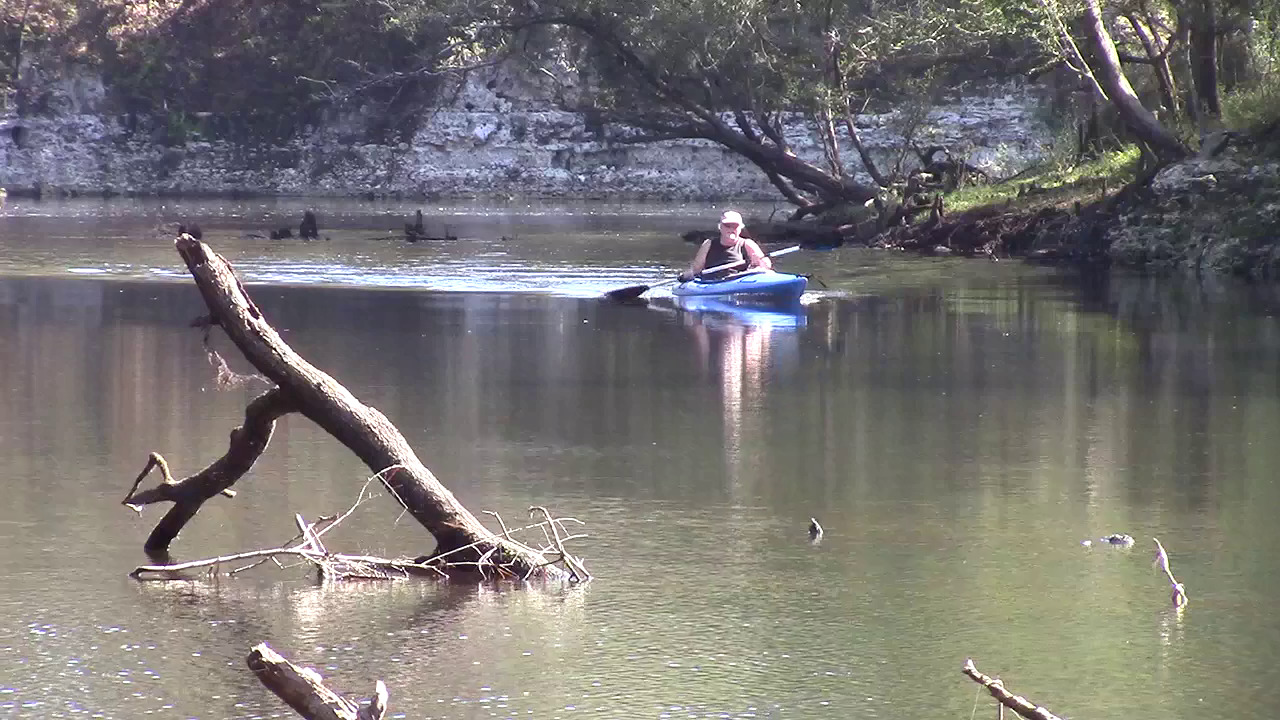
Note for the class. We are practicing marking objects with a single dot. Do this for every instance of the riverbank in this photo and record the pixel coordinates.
(1214, 213)
(1217, 212)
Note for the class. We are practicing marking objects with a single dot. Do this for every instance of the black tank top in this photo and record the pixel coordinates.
(718, 255)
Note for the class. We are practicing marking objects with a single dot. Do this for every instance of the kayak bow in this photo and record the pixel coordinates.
(754, 284)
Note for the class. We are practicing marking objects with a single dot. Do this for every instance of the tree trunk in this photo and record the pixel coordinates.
(1187, 66)
(1159, 60)
(774, 160)
(301, 387)
(19, 43)
(868, 162)
(801, 182)
(1113, 80)
(1204, 56)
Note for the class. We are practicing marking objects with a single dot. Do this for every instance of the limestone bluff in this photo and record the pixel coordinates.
(498, 136)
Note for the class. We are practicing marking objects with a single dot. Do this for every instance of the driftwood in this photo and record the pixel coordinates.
(310, 549)
(304, 689)
(462, 542)
(340, 566)
(331, 565)
(1020, 705)
(1178, 590)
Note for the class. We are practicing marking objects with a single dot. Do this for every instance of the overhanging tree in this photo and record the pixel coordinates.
(1095, 58)
(736, 73)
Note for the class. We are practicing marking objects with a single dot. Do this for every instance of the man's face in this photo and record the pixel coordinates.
(729, 232)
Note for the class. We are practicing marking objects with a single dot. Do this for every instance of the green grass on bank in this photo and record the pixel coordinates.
(1061, 183)
(1055, 184)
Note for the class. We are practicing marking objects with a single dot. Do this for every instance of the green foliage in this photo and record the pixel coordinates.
(676, 67)
(270, 68)
(1255, 107)
(1066, 180)
(1256, 104)
(264, 68)
(29, 27)
(774, 55)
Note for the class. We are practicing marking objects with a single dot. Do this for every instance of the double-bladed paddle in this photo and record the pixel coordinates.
(634, 291)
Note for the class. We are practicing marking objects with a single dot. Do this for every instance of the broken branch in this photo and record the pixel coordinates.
(304, 689)
(188, 494)
(1179, 591)
(336, 565)
(1020, 705)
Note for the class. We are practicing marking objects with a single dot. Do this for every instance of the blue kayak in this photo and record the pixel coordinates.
(755, 284)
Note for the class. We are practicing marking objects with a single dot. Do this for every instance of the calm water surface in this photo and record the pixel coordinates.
(957, 427)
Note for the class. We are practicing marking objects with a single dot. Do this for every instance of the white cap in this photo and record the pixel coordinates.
(731, 217)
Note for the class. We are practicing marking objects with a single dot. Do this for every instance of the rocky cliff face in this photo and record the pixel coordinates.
(497, 137)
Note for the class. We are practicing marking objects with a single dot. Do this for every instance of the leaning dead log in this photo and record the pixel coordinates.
(1020, 705)
(462, 542)
(304, 689)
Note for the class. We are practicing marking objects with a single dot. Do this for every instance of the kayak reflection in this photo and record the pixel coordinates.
(718, 311)
(743, 351)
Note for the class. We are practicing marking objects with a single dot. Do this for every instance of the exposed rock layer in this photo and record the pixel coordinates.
(490, 141)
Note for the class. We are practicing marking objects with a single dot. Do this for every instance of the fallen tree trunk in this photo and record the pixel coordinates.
(462, 542)
(1020, 705)
(304, 689)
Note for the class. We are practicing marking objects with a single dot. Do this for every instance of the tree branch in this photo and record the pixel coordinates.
(1179, 591)
(188, 494)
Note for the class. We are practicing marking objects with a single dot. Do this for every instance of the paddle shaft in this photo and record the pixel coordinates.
(726, 266)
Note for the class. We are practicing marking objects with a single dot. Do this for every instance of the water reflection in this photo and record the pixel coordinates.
(956, 443)
(743, 350)
(565, 249)
(739, 348)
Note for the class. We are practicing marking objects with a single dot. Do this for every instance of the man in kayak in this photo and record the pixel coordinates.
(730, 248)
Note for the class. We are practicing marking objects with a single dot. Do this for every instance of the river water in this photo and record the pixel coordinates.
(958, 427)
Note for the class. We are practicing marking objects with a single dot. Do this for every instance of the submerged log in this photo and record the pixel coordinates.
(462, 542)
(1020, 705)
(304, 689)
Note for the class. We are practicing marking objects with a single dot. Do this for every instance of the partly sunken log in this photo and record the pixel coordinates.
(304, 689)
(1020, 705)
(462, 542)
